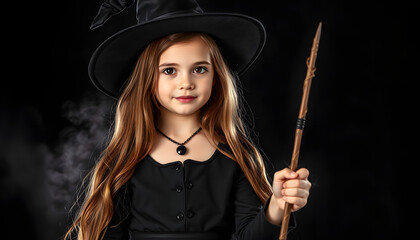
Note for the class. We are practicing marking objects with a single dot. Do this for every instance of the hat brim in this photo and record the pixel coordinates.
(240, 38)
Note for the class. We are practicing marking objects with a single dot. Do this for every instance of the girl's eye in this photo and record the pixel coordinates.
(200, 70)
(169, 71)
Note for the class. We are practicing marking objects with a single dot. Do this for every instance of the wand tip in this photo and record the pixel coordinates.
(318, 32)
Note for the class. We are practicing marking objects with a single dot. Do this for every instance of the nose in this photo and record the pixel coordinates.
(186, 82)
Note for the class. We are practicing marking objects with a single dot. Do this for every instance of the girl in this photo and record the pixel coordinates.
(180, 164)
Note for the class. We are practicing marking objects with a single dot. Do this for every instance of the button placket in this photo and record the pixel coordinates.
(177, 166)
(189, 185)
(179, 188)
(188, 188)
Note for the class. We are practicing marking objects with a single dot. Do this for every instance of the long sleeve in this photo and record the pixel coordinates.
(250, 219)
(118, 227)
(117, 230)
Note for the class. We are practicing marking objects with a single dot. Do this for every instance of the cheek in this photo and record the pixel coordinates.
(160, 94)
(208, 87)
(162, 90)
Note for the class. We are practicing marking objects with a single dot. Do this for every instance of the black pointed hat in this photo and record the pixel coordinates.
(240, 38)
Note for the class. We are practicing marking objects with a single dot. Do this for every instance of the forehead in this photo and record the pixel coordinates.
(192, 50)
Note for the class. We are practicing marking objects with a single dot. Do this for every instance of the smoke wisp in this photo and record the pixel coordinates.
(78, 148)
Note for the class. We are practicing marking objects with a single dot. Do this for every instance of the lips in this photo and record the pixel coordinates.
(185, 98)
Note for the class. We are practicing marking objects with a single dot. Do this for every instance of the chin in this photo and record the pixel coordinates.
(186, 113)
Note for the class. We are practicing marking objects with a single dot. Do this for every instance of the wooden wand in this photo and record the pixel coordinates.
(301, 123)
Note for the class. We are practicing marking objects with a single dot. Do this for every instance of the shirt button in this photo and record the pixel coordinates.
(190, 214)
(179, 189)
(189, 185)
(180, 216)
(177, 167)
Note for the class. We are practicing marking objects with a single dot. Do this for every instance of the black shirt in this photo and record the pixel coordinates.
(197, 196)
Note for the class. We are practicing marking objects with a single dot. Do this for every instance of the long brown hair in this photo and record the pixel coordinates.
(136, 115)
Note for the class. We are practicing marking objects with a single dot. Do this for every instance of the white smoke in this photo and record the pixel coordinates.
(76, 152)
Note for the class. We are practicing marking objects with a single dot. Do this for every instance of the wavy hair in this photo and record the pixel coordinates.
(137, 113)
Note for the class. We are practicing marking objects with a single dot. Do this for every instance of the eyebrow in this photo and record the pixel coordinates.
(175, 64)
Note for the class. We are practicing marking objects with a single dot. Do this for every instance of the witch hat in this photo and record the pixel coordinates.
(240, 38)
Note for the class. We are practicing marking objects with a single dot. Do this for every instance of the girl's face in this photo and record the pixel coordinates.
(185, 77)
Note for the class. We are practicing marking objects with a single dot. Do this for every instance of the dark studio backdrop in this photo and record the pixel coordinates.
(356, 143)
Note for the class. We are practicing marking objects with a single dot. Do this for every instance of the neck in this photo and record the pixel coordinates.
(178, 126)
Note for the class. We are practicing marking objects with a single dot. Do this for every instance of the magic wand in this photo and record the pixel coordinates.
(300, 124)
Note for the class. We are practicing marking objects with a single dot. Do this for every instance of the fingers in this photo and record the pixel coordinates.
(295, 196)
(296, 183)
(296, 192)
(297, 203)
(298, 197)
(287, 173)
(303, 173)
(284, 174)
(292, 187)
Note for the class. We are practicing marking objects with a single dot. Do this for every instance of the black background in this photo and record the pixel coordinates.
(358, 143)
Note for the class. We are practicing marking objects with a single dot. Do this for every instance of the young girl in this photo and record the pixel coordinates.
(180, 164)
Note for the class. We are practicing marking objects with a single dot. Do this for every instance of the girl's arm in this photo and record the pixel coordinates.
(118, 227)
(250, 216)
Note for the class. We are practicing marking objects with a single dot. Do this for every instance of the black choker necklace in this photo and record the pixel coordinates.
(181, 150)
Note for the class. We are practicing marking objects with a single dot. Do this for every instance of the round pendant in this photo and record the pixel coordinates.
(181, 150)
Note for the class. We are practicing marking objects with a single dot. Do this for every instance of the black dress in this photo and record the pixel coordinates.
(195, 200)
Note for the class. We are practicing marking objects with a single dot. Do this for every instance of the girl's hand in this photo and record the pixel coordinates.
(291, 187)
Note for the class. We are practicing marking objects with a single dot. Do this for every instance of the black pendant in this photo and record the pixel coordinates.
(181, 150)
